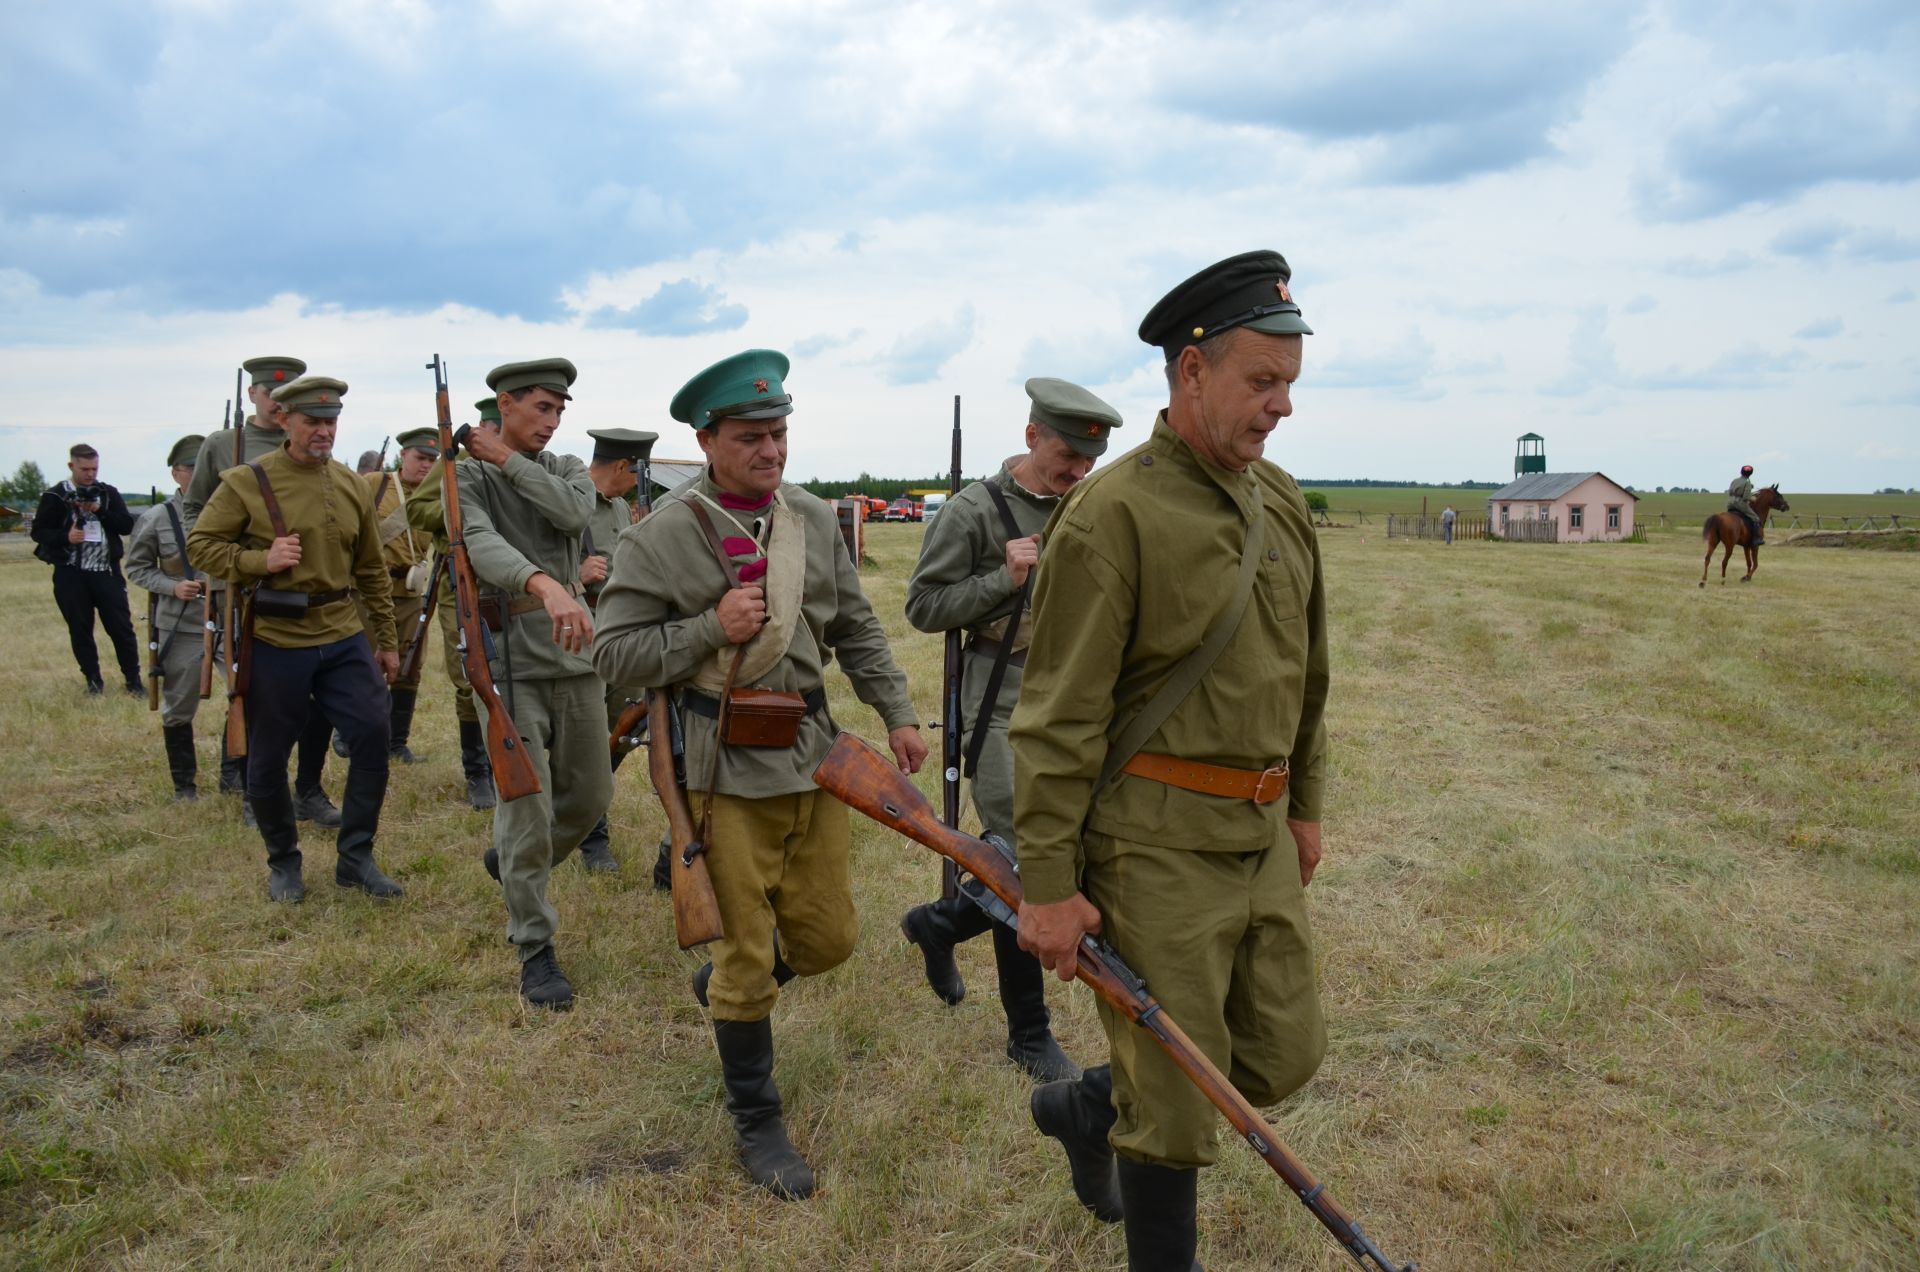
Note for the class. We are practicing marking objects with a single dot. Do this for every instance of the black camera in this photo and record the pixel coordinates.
(95, 493)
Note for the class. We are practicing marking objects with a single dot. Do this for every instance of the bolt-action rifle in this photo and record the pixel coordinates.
(232, 612)
(952, 728)
(208, 632)
(416, 650)
(513, 773)
(696, 914)
(154, 671)
(860, 777)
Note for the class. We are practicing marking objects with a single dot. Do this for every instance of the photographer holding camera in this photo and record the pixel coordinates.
(77, 531)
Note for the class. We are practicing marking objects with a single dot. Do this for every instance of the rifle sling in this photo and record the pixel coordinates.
(726, 689)
(995, 678)
(1194, 667)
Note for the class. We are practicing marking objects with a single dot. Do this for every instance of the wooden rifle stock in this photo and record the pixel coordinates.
(153, 648)
(513, 773)
(696, 914)
(415, 651)
(865, 780)
(953, 730)
(626, 730)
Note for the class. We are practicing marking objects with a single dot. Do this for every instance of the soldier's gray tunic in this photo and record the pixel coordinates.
(519, 519)
(216, 457)
(156, 560)
(961, 581)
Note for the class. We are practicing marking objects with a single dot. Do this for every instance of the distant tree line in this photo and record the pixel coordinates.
(879, 487)
(1361, 483)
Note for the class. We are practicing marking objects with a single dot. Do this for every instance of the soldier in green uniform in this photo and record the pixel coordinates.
(785, 604)
(619, 457)
(1740, 503)
(523, 510)
(972, 574)
(157, 561)
(407, 565)
(1170, 786)
(425, 512)
(260, 438)
(300, 525)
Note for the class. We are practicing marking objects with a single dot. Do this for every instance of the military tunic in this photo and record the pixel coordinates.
(961, 581)
(156, 560)
(1740, 497)
(610, 517)
(523, 518)
(778, 853)
(1200, 894)
(404, 547)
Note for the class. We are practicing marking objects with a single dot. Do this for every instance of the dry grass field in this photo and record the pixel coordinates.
(1618, 934)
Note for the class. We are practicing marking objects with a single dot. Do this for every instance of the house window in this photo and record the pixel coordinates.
(1546, 510)
(1576, 516)
(1613, 516)
(1506, 510)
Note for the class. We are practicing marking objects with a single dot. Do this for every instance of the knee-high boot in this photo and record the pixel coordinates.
(936, 928)
(273, 813)
(1160, 1202)
(181, 764)
(746, 1065)
(1023, 995)
(1079, 1112)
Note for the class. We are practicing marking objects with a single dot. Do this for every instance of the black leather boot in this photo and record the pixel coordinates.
(663, 865)
(400, 726)
(1023, 995)
(473, 761)
(311, 804)
(181, 763)
(595, 852)
(543, 984)
(1079, 1113)
(936, 928)
(366, 792)
(273, 813)
(746, 1066)
(781, 973)
(1160, 1206)
(233, 774)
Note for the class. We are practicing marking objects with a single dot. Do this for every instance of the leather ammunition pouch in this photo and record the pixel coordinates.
(757, 717)
(273, 602)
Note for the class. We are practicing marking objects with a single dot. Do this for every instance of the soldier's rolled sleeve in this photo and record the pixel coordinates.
(564, 499)
(373, 582)
(1307, 785)
(860, 643)
(944, 593)
(636, 641)
(213, 543)
(1083, 614)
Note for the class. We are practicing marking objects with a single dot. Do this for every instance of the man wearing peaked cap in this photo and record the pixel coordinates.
(973, 574)
(407, 562)
(618, 469)
(1170, 794)
(425, 513)
(157, 561)
(736, 583)
(524, 509)
(223, 450)
(297, 526)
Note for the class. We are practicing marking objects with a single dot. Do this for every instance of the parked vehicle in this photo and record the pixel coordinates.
(900, 510)
(931, 508)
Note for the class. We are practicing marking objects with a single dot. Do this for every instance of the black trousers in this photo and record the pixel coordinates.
(288, 689)
(81, 594)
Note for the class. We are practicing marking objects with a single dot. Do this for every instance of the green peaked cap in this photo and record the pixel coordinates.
(622, 443)
(273, 370)
(185, 451)
(747, 386)
(556, 375)
(1082, 419)
(426, 440)
(489, 408)
(315, 396)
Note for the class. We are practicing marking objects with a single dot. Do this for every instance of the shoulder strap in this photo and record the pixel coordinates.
(180, 539)
(1194, 667)
(273, 504)
(713, 541)
(1004, 655)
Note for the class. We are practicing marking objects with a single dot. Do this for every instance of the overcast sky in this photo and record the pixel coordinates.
(1670, 237)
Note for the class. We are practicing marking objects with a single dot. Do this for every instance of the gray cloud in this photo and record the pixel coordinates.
(681, 308)
(1902, 297)
(1641, 304)
(812, 346)
(1591, 363)
(1092, 359)
(1824, 240)
(917, 356)
(1731, 262)
(1821, 329)
(1401, 371)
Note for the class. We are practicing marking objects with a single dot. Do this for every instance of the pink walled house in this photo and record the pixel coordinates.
(1588, 506)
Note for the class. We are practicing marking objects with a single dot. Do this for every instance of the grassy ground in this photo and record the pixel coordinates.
(1684, 511)
(1618, 935)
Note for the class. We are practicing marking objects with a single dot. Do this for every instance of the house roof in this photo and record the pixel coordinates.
(1540, 487)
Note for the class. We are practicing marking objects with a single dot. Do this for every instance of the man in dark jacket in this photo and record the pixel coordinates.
(77, 530)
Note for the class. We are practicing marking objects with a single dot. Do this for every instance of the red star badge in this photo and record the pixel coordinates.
(1281, 283)
(279, 375)
(1093, 430)
(760, 386)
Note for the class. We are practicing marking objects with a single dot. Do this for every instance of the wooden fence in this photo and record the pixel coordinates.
(1400, 526)
(1801, 521)
(1530, 530)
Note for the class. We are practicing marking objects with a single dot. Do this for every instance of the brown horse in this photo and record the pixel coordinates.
(1728, 530)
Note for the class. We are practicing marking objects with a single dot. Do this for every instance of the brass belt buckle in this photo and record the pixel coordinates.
(1272, 784)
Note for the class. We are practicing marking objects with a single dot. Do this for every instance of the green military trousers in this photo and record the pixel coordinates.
(1221, 939)
(180, 667)
(780, 861)
(562, 723)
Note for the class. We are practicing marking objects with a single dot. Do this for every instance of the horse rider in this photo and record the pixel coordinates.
(1740, 502)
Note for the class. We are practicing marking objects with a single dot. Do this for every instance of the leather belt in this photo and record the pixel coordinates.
(1262, 786)
(705, 704)
(988, 648)
(316, 599)
(398, 574)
